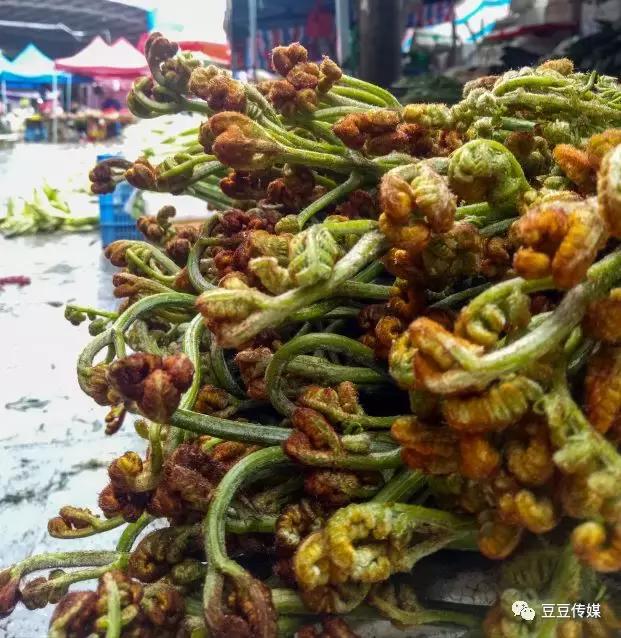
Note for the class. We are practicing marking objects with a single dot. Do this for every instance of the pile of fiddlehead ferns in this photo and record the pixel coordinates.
(399, 338)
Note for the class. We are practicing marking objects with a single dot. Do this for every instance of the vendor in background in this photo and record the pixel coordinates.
(35, 127)
(108, 125)
(107, 103)
(51, 104)
(111, 108)
(110, 104)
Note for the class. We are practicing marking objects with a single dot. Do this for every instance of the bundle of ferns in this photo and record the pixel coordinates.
(399, 337)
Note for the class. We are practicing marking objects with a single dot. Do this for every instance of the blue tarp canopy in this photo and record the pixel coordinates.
(32, 68)
(5, 64)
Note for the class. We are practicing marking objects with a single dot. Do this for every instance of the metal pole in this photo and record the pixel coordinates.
(452, 56)
(343, 34)
(380, 41)
(252, 21)
(68, 93)
(5, 101)
(54, 106)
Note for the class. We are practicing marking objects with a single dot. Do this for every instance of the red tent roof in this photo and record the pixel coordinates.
(216, 52)
(220, 53)
(98, 59)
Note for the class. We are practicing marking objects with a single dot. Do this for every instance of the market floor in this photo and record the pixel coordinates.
(53, 450)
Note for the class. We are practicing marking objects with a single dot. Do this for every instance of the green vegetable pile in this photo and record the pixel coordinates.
(45, 212)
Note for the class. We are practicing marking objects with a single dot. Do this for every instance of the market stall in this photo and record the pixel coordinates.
(31, 69)
(112, 69)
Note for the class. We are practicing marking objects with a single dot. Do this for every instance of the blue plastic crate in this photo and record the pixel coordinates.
(114, 222)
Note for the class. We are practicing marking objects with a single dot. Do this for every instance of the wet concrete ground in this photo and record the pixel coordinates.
(53, 450)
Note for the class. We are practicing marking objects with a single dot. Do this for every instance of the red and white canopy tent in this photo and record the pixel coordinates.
(216, 52)
(101, 60)
(115, 65)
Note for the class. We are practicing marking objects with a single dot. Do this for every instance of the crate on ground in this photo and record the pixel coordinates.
(115, 223)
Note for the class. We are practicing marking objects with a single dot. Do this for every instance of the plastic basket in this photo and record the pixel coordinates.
(114, 222)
